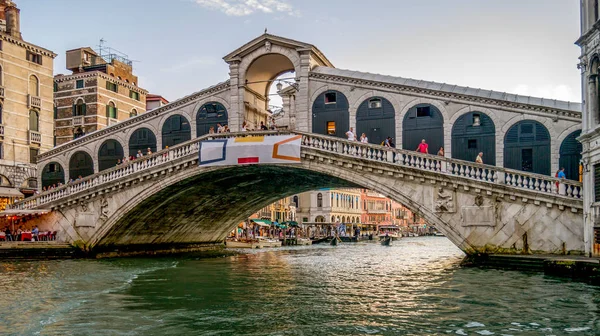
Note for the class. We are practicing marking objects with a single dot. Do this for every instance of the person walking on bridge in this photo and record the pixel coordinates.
(479, 158)
(350, 134)
(364, 139)
(423, 147)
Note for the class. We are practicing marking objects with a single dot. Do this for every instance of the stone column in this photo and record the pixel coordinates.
(592, 106)
(236, 116)
(302, 104)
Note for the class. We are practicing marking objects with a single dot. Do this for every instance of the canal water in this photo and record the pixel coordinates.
(415, 287)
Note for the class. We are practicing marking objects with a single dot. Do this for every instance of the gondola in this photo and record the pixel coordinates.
(387, 241)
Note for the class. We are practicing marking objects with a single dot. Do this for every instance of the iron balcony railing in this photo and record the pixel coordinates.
(326, 144)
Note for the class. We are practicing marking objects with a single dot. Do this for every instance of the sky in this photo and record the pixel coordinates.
(518, 46)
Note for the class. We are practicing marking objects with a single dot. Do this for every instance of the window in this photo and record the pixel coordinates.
(0, 114)
(423, 112)
(296, 201)
(79, 109)
(476, 119)
(527, 159)
(78, 133)
(375, 103)
(331, 127)
(330, 98)
(33, 153)
(1, 150)
(34, 122)
(55, 87)
(32, 183)
(595, 10)
(134, 95)
(53, 168)
(111, 110)
(304, 219)
(35, 58)
(133, 113)
(319, 200)
(1, 76)
(112, 87)
(34, 86)
(472, 144)
(55, 112)
(79, 84)
(597, 182)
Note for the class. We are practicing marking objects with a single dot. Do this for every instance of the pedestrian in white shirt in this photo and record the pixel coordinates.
(364, 139)
(350, 134)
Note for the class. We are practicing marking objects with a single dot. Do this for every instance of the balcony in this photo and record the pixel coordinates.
(35, 137)
(2, 92)
(78, 121)
(112, 121)
(373, 211)
(34, 101)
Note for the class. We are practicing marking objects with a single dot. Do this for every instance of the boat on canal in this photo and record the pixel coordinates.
(392, 231)
(386, 241)
(260, 242)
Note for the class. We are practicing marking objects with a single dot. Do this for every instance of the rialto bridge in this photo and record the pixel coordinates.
(167, 200)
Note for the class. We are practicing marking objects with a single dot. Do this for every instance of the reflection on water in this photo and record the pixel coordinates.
(412, 288)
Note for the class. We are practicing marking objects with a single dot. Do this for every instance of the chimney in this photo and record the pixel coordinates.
(13, 20)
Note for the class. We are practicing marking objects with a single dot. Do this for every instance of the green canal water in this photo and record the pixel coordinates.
(415, 287)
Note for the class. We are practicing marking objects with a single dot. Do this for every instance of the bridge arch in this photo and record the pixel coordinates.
(570, 155)
(110, 152)
(376, 117)
(209, 115)
(80, 164)
(331, 114)
(176, 129)
(355, 103)
(162, 201)
(140, 140)
(408, 105)
(472, 133)
(527, 147)
(52, 173)
(423, 121)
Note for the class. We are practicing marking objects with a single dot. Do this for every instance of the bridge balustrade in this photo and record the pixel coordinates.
(323, 143)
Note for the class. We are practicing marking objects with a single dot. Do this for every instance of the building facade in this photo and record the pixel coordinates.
(328, 206)
(26, 117)
(589, 64)
(283, 210)
(376, 208)
(155, 101)
(101, 91)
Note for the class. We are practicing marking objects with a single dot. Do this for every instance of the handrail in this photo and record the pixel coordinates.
(402, 157)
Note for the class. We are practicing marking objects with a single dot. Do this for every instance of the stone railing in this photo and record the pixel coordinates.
(34, 101)
(322, 143)
(35, 137)
(78, 121)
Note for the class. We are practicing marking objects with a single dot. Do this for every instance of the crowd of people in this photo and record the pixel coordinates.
(25, 234)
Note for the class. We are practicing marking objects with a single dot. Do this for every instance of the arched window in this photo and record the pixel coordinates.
(209, 115)
(109, 154)
(34, 122)
(79, 108)
(111, 110)
(527, 147)
(472, 133)
(333, 219)
(330, 114)
(175, 130)
(80, 165)
(423, 121)
(375, 118)
(319, 200)
(570, 155)
(34, 86)
(133, 113)
(141, 140)
(296, 201)
(53, 173)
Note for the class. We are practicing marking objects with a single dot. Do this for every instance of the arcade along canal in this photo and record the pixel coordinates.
(415, 287)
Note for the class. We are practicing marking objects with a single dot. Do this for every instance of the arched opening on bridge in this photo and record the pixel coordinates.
(570, 156)
(80, 165)
(472, 133)
(527, 147)
(141, 140)
(260, 76)
(52, 174)
(375, 117)
(109, 154)
(209, 115)
(175, 131)
(330, 114)
(423, 121)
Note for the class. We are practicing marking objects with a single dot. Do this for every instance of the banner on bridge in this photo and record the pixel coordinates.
(250, 150)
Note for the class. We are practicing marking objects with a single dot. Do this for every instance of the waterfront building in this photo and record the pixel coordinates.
(101, 91)
(329, 206)
(283, 210)
(589, 64)
(155, 101)
(26, 121)
(376, 208)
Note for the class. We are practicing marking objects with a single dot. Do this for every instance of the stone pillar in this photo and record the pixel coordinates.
(302, 104)
(592, 106)
(236, 117)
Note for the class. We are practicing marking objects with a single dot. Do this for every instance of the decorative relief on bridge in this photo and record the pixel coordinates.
(268, 46)
(478, 214)
(83, 217)
(103, 209)
(444, 200)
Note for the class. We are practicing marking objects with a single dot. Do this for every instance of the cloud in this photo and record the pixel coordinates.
(560, 92)
(249, 7)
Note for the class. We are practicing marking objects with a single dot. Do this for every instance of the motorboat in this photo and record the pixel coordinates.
(392, 231)
(304, 241)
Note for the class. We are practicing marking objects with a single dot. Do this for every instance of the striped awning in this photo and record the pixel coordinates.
(262, 222)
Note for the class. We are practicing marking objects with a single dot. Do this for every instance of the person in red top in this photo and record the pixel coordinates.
(423, 147)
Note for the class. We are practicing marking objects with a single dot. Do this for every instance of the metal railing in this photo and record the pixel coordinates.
(326, 144)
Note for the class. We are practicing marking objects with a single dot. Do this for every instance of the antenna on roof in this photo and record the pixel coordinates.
(101, 45)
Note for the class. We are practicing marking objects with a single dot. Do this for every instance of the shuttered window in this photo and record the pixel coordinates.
(597, 182)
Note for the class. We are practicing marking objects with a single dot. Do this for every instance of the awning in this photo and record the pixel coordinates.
(17, 212)
(291, 223)
(10, 192)
(262, 222)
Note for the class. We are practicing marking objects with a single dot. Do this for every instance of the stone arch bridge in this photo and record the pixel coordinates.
(166, 201)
